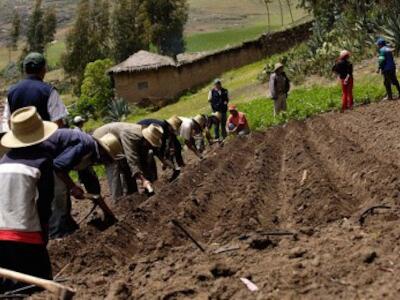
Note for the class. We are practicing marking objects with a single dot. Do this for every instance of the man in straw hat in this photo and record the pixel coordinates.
(192, 132)
(170, 152)
(138, 164)
(26, 193)
(32, 91)
(73, 150)
(279, 86)
(219, 99)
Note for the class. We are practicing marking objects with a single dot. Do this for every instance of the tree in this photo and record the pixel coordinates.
(88, 39)
(281, 11)
(96, 90)
(35, 32)
(99, 40)
(49, 25)
(166, 21)
(128, 30)
(289, 4)
(267, 3)
(14, 34)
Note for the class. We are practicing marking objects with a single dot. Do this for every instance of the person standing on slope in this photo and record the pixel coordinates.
(219, 99)
(344, 69)
(279, 86)
(387, 67)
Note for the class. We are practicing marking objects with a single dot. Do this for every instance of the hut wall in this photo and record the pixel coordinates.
(168, 83)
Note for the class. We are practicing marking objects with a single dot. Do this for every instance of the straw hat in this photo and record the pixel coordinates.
(112, 145)
(153, 134)
(278, 66)
(199, 119)
(27, 129)
(175, 123)
(79, 119)
(218, 115)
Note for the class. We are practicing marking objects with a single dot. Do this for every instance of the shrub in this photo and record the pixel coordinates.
(96, 89)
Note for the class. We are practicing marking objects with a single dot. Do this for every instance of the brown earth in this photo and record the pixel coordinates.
(312, 178)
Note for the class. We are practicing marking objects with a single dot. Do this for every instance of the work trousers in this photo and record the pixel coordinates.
(347, 94)
(120, 179)
(280, 104)
(24, 258)
(390, 78)
(61, 222)
(221, 127)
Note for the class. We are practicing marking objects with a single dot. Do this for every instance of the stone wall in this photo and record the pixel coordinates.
(166, 84)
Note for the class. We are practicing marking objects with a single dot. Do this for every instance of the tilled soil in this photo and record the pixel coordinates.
(311, 180)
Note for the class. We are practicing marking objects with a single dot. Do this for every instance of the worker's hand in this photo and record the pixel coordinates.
(77, 192)
(346, 82)
(148, 187)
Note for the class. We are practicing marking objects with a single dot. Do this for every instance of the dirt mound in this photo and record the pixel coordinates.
(280, 208)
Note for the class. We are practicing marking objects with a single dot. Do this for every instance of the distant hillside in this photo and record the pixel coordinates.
(65, 12)
(204, 15)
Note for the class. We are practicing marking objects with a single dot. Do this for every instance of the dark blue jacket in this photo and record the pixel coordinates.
(68, 147)
(31, 91)
(388, 64)
(219, 102)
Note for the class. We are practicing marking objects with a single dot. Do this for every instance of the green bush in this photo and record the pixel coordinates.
(96, 89)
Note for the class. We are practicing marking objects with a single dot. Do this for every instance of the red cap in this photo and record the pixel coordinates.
(232, 107)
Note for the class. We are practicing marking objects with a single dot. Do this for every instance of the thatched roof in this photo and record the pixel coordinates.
(143, 60)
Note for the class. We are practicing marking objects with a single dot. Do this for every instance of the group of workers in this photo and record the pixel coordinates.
(36, 185)
(40, 153)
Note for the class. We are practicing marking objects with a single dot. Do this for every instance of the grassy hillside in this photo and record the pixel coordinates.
(212, 24)
(313, 96)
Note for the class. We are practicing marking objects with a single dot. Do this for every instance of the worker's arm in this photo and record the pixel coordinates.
(74, 189)
(56, 108)
(192, 147)
(272, 87)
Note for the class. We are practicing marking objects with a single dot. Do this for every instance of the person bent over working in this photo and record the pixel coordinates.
(237, 122)
(136, 163)
(26, 193)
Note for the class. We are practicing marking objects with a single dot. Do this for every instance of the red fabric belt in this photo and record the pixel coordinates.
(35, 238)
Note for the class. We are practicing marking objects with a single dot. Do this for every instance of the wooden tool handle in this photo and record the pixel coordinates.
(62, 292)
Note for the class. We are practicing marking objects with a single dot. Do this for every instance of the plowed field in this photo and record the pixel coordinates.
(286, 205)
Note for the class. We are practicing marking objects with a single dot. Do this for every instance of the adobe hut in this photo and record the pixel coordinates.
(145, 78)
(149, 79)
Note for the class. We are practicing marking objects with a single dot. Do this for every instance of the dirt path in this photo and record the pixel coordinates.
(314, 178)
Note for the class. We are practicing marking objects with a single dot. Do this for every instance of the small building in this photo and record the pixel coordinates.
(146, 78)
(150, 79)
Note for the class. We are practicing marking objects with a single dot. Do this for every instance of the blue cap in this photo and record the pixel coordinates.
(381, 42)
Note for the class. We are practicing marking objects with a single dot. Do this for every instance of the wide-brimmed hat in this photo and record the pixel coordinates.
(153, 134)
(218, 115)
(79, 119)
(344, 54)
(27, 129)
(112, 145)
(175, 123)
(200, 120)
(278, 66)
(217, 81)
